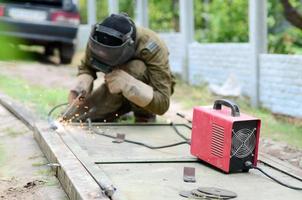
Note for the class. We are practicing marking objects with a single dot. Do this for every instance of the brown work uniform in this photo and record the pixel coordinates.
(150, 64)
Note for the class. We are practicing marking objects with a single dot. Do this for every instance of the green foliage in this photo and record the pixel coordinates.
(41, 99)
(164, 15)
(126, 6)
(216, 21)
(9, 48)
(221, 20)
(283, 37)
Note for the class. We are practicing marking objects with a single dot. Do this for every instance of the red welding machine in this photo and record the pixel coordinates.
(224, 137)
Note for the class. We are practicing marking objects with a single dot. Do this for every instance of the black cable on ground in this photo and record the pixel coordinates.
(282, 171)
(187, 141)
(251, 166)
(139, 143)
(179, 134)
(184, 117)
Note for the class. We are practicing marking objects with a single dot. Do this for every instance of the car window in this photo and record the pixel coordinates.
(56, 3)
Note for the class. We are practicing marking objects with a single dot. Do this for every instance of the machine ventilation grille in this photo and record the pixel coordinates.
(217, 140)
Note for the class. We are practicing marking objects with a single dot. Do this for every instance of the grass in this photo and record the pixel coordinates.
(12, 132)
(41, 99)
(39, 164)
(279, 128)
(45, 172)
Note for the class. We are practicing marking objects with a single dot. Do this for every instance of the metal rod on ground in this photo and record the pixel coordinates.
(96, 173)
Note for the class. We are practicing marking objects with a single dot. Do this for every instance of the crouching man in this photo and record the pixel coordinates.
(137, 73)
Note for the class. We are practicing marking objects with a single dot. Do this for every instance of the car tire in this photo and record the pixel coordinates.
(66, 54)
(49, 50)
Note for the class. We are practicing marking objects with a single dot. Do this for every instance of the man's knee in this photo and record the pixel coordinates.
(135, 68)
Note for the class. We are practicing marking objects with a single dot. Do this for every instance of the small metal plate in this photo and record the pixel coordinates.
(186, 194)
(120, 138)
(189, 174)
(217, 192)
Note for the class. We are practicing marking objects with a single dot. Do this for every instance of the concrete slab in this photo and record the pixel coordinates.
(101, 149)
(165, 181)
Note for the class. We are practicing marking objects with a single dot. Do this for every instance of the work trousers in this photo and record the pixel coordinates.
(102, 106)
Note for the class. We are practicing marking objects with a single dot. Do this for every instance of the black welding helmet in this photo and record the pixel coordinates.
(111, 42)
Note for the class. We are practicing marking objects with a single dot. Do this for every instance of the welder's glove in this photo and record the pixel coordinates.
(83, 87)
(134, 90)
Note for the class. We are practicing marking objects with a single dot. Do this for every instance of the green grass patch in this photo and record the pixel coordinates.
(41, 99)
(10, 46)
(277, 128)
(46, 172)
(52, 182)
(12, 132)
(39, 164)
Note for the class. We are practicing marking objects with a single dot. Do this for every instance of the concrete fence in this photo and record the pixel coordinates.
(281, 83)
(214, 63)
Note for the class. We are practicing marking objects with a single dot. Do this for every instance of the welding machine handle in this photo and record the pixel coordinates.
(235, 109)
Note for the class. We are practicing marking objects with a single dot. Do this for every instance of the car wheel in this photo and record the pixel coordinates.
(66, 54)
(49, 50)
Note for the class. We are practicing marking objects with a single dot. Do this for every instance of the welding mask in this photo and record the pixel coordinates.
(111, 42)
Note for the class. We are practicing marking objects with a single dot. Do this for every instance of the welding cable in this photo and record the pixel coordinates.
(184, 117)
(135, 142)
(140, 143)
(179, 134)
(251, 166)
(49, 118)
(280, 170)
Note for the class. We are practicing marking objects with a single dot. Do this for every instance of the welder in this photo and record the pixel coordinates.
(137, 73)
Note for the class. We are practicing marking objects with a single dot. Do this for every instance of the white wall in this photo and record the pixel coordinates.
(174, 44)
(213, 63)
(281, 83)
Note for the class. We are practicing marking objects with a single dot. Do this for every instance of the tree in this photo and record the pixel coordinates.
(291, 14)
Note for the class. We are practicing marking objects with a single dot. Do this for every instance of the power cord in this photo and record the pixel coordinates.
(249, 165)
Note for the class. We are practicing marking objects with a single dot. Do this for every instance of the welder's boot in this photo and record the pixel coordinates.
(144, 117)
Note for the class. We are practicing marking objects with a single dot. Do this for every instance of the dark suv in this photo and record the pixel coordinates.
(50, 23)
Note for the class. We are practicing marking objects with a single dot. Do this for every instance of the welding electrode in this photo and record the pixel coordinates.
(80, 97)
